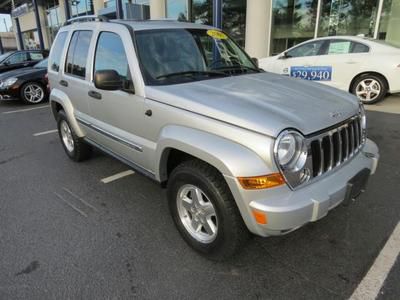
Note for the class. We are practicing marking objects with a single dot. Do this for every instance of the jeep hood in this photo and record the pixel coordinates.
(264, 102)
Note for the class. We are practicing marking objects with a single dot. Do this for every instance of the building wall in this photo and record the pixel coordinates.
(8, 40)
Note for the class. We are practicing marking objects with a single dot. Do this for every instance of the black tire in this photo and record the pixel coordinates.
(376, 81)
(81, 150)
(232, 232)
(24, 96)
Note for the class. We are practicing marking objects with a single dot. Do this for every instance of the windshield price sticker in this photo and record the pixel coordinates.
(217, 34)
(323, 73)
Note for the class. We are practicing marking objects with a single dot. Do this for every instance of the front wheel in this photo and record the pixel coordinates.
(33, 93)
(370, 88)
(204, 210)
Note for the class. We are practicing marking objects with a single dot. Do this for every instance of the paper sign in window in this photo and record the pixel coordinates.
(339, 48)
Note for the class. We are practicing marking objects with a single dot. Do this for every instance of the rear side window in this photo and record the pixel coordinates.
(36, 56)
(78, 53)
(339, 47)
(359, 48)
(58, 46)
(110, 54)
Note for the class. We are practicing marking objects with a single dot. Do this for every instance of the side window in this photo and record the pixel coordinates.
(359, 48)
(56, 51)
(339, 47)
(110, 54)
(78, 53)
(36, 56)
(17, 58)
(309, 49)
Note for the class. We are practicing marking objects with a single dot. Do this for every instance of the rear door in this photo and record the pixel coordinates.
(117, 116)
(299, 61)
(345, 58)
(74, 80)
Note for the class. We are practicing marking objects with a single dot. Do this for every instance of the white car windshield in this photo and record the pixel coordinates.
(170, 56)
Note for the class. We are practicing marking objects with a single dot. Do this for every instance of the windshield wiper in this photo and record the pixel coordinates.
(184, 73)
(238, 68)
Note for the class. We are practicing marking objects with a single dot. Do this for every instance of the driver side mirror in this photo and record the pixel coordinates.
(284, 55)
(108, 80)
(255, 61)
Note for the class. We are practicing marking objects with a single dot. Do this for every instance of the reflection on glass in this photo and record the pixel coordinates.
(389, 26)
(293, 22)
(81, 7)
(202, 12)
(347, 17)
(234, 19)
(177, 9)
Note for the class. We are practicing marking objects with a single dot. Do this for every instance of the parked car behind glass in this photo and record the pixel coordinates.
(27, 84)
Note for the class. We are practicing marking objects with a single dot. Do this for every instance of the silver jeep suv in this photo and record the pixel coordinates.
(239, 150)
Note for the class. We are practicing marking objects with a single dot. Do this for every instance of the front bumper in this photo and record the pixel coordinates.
(287, 209)
(9, 93)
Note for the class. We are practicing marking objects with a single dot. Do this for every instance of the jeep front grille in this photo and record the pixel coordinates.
(332, 148)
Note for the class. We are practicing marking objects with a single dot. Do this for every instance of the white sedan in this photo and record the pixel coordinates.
(367, 68)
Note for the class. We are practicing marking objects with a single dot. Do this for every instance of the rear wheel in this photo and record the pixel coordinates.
(74, 147)
(204, 210)
(33, 93)
(370, 88)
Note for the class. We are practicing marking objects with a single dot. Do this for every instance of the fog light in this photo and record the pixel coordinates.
(261, 182)
(261, 218)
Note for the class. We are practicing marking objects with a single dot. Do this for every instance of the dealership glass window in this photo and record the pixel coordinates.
(293, 22)
(389, 26)
(177, 9)
(201, 11)
(234, 19)
(53, 20)
(81, 7)
(30, 39)
(347, 17)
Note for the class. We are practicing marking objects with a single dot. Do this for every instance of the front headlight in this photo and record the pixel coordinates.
(9, 82)
(290, 151)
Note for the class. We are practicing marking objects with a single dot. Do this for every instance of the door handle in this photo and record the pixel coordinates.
(94, 95)
(63, 83)
(26, 64)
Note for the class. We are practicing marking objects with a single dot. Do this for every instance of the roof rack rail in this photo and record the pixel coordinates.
(87, 18)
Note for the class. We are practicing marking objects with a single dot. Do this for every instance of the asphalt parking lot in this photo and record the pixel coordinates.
(66, 234)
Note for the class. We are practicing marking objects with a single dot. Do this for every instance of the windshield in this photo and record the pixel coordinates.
(41, 64)
(170, 56)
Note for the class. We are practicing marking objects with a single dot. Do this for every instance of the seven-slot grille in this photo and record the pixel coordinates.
(330, 149)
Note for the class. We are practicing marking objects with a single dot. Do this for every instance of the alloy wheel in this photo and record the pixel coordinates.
(368, 90)
(33, 93)
(197, 213)
(66, 136)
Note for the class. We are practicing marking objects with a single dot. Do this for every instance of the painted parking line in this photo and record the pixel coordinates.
(117, 176)
(372, 283)
(45, 132)
(25, 109)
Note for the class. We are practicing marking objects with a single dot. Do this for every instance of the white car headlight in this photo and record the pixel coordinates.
(9, 82)
(290, 151)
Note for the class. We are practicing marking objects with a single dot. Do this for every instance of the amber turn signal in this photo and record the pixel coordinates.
(261, 218)
(261, 182)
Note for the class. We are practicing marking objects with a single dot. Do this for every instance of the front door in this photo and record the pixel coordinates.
(117, 116)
